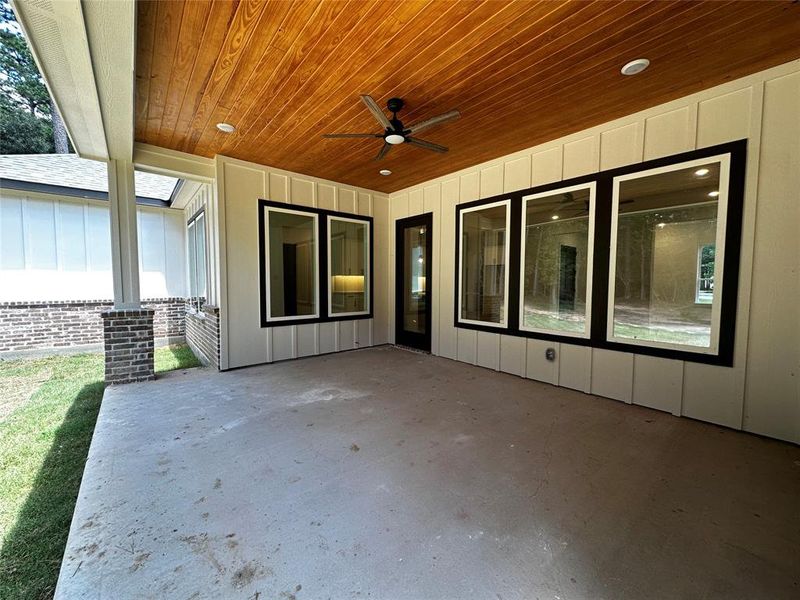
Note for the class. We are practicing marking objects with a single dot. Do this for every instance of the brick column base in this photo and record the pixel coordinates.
(129, 347)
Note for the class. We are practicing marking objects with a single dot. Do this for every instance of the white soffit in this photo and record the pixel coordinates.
(186, 193)
(57, 37)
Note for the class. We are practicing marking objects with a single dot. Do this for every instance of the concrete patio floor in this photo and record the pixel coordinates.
(382, 473)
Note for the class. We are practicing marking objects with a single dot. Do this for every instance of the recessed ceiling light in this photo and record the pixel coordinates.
(554, 217)
(713, 194)
(420, 260)
(635, 66)
(226, 127)
(385, 172)
(702, 172)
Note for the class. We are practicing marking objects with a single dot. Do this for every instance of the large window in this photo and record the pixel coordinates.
(348, 266)
(316, 265)
(483, 264)
(293, 256)
(667, 251)
(642, 258)
(556, 252)
(196, 238)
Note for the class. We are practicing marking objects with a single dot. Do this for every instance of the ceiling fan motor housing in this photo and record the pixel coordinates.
(395, 105)
(395, 134)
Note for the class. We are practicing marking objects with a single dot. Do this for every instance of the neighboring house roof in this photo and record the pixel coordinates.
(68, 171)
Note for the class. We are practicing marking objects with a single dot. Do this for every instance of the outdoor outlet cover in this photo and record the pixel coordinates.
(550, 354)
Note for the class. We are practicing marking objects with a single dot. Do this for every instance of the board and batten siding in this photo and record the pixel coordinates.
(239, 186)
(59, 248)
(761, 392)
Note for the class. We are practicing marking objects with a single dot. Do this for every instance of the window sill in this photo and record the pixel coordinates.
(196, 313)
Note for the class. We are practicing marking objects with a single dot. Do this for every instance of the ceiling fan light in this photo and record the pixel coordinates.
(394, 139)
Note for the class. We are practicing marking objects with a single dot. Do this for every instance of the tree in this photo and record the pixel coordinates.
(27, 114)
(60, 138)
(22, 132)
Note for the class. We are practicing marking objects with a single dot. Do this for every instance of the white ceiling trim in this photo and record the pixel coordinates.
(173, 163)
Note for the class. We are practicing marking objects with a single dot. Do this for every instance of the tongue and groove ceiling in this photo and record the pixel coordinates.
(521, 73)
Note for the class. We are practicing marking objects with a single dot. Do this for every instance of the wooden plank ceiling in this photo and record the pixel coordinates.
(521, 73)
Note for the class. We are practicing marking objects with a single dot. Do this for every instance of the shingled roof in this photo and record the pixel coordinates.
(71, 171)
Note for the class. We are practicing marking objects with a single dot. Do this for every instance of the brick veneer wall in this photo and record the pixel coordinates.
(202, 334)
(35, 325)
(168, 321)
(129, 345)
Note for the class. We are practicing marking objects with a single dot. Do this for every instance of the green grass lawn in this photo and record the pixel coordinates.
(48, 408)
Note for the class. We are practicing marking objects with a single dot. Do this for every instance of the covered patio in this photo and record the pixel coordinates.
(387, 473)
(592, 250)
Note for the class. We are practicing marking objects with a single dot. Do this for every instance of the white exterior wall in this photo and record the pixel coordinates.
(59, 248)
(761, 392)
(239, 186)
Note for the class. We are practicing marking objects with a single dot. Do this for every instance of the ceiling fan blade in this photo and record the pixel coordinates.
(427, 145)
(376, 111)
(352, 135)
(384, 150)
(444, 118)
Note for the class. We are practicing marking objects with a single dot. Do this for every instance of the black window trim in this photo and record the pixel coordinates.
(587, 185)
(328, 265)
(504, 199)
(322, 268)
(601, 250)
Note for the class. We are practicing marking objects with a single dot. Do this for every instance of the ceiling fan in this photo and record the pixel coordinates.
(394, 131)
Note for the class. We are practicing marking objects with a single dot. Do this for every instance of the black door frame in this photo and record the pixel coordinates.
(402, 337)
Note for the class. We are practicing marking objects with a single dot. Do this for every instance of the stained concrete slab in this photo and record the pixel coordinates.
(382, 473)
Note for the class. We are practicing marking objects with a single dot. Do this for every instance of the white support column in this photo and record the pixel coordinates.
(124, 235)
